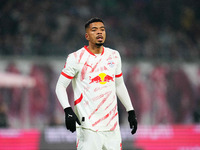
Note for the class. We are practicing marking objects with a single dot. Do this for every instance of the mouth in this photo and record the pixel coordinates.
(99, 38)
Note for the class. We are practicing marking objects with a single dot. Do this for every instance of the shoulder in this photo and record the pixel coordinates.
(113, 52)
(77, 52)
(75, 55)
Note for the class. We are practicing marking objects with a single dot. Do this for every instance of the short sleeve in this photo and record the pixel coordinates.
(118, 72)
(70, 68)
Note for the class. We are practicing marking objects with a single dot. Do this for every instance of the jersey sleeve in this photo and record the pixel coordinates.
(118, 71)
(121, 89)
(61, 93)
(123, 94)
(70, 68)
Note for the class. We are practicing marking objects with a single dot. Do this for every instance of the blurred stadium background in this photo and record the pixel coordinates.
(159, 42)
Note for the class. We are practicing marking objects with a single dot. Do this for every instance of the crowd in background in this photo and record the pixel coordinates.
(139, 29)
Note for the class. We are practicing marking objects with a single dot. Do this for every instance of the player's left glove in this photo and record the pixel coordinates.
(132, 121)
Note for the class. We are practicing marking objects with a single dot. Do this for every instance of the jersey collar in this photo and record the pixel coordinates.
(86, 47)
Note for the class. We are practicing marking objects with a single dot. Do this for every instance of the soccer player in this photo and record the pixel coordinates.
(97, 80)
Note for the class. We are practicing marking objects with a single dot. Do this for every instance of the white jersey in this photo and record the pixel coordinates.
(93, 81)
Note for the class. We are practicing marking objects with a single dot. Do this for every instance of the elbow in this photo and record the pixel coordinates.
(61, 85)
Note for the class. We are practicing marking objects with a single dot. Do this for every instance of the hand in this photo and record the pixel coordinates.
(132, 121)
(71, 119)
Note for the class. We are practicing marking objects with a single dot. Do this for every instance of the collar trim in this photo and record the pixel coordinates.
(86, 47)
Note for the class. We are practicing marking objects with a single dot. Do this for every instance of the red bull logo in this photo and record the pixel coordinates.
(102, 78)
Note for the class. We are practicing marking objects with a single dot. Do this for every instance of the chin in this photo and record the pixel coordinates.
(99, 44)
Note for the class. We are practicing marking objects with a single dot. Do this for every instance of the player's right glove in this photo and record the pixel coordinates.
(71, 119)
(132, 121)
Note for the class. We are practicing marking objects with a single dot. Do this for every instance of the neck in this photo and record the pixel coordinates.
(95, 49)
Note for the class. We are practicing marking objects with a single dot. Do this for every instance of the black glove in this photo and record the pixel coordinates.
(71, 119)
(132, 121)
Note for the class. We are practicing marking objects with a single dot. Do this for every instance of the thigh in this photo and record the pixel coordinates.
(88, 140)
(113, 140)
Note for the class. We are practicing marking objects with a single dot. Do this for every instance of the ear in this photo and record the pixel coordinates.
(86, 36)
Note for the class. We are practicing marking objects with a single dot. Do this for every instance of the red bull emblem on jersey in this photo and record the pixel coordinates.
(111, 63)
(102, 78)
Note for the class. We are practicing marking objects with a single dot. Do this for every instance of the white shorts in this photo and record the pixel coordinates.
(101, 140)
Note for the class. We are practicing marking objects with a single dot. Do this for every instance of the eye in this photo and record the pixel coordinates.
(94, 29)
(102, 29)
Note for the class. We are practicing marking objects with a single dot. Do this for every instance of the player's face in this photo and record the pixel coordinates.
(96, 33)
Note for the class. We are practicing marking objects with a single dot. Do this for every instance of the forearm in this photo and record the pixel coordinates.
(61, 93)
(122, 94)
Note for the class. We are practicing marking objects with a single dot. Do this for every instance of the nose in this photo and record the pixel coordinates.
(99, 31)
